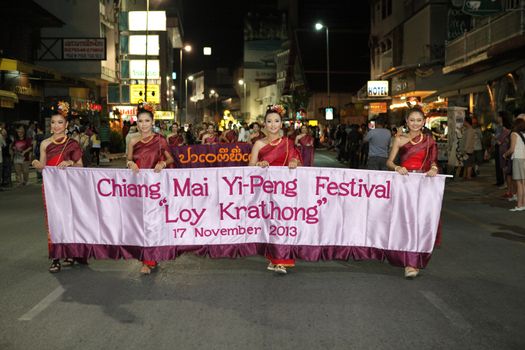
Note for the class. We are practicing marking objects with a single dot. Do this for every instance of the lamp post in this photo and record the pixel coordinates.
(215, 95)
(190, 78)
(243, 84)
(146, 59)
(319, 26)
(186, 48)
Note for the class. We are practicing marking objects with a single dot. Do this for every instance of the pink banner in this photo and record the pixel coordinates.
(307, 213)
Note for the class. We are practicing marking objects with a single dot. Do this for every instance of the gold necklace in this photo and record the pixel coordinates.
(420, 139)
(59, 142)
(272, 143)
(150, 138)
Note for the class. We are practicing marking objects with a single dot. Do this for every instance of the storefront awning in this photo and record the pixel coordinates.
(477, 82)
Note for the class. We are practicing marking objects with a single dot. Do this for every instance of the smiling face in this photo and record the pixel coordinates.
(210, 129)
(144, 123)
(415, 121)
(273, 123)
(58, 124)
(304, 129)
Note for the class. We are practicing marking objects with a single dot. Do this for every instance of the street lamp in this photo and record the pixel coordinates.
(215, 95)
(243, 84)
(190, 78)
(319, 26)
(186, 48)
(146, 57)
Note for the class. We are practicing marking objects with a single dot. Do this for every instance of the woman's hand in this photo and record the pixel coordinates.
(37, 165)
(160, 165)
(401, 170)
(133, 166)
(293, 163)
(65, 163)
(263, 164)
(433, 171)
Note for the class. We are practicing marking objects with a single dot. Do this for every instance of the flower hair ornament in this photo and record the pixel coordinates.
(63, 108)
(279, 109)
(147, 106)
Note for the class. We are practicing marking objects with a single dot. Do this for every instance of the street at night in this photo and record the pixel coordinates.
(262, 174)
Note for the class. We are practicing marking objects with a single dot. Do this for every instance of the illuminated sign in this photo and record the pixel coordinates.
(137, 69)
(84, 48)
(377, 88)
(136, 93)
(329, 113)
(377, 107)
(137, 45)
(164, 115)
(156, 20)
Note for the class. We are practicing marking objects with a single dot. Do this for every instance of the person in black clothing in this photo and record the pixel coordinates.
(340, 142)
(353, 145)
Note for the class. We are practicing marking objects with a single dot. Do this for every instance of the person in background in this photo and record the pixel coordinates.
(210, 136)
(255, 133)
(7, 152)
(305, 143)
(378, 144)
(244, 133)
(516, 152)
(478, 146)
(95, 146)
(104, 134)
(506, 163)
(22, 150)
(468, 148)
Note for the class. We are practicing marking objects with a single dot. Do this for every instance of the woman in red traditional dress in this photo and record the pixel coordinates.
(60, 151)
(305, 143)
(147, 151)
(256, 133)
(275, 150)
(210, 137)
(417, 153)
(175, 138)
(230, 135)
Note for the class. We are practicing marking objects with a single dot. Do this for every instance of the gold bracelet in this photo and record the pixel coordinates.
(127, 164)
(434, 167)
(397, 166)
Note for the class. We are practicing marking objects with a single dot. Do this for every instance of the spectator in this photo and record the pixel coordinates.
(22, 149)
(6, 156)
(517, 153)
(468, 148)
(378, 144)
(104, 135)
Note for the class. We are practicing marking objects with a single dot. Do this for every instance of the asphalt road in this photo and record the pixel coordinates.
(471, 296)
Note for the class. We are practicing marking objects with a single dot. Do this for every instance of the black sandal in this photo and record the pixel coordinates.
(55, 266)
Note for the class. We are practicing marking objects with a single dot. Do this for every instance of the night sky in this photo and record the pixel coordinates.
(219, 24)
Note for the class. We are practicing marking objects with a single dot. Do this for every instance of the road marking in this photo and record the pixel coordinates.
(453, 316)
(43, 304)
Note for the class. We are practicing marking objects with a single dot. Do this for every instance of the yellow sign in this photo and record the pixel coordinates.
(136, 93)
(377, 107)
(164, 115)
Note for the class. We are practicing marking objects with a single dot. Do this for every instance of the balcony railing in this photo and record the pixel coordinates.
(478, 40)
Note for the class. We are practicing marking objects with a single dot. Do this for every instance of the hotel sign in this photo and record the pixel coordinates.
(377, 88)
